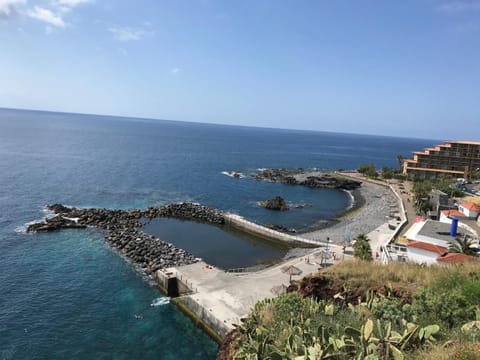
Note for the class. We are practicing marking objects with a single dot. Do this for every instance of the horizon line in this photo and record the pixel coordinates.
(214, 123)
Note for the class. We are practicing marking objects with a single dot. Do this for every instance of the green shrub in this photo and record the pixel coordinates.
(368, 170)
(452, 299)
(388, 309)
(362, 249)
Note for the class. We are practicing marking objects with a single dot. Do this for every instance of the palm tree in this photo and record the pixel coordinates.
(362, 249)
(400, 160)
(463, 245)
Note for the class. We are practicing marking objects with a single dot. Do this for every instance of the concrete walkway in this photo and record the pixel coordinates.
(229, 297)
(404, 189)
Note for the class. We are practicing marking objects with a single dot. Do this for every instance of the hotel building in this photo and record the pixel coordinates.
(460, 159)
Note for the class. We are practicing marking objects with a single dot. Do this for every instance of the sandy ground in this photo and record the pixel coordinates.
(374, 204)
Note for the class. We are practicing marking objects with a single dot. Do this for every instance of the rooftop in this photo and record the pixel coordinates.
(453, 258)
(453, 213)
(428, 247)
(439, 230)
(470, 206)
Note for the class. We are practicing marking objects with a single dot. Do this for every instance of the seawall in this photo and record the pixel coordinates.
(250, 227)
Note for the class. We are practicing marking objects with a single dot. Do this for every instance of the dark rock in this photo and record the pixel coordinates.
(277, 203)
(122, 230)
(287, 176)
(281, 228)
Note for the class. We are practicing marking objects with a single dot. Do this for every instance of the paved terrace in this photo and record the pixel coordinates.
(230, 296)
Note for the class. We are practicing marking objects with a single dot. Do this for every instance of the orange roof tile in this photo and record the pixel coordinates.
(452, 258)
(470, 206)
(455, 213)
(428, 247)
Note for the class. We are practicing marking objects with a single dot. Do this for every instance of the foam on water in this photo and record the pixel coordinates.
(233, 174)
(160, 301)
(352, 199)
(48, 214)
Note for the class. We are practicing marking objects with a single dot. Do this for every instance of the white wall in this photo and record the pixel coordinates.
(444, 218)
(472, 214)
(420, 256)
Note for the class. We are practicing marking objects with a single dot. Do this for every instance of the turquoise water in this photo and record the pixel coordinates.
(72, 297)
(67, 295)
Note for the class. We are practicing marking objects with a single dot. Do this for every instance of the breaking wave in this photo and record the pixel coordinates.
(160, 301)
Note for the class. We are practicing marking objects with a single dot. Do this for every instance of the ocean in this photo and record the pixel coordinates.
(68, 295)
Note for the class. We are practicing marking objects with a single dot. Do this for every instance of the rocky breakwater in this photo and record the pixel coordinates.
(312, 179)
(123, 230)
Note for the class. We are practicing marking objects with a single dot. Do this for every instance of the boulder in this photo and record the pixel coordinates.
(277, 203)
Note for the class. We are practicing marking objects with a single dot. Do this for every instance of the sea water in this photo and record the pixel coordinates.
(67, 294)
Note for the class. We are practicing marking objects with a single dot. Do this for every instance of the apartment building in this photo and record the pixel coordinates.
(460, 159)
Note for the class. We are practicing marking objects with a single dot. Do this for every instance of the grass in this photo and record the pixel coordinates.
(454, 350)
(370, 274)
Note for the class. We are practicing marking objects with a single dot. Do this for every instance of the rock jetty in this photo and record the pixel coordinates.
(309, 179)
(123, 230)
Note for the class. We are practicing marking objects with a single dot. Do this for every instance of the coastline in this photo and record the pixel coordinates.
(208, 296)
(372, 204)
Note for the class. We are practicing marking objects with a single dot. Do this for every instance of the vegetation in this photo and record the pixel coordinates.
(400, 160)
(421, 192)
(422, 188)
(388, 172)
(368, 170)
(362, 249)
(447, 185)
(463, 245)
(439, 319)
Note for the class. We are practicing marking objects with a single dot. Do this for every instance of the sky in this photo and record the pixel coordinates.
(394, 67)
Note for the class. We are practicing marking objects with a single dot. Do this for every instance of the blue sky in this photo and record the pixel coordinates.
(393, 67)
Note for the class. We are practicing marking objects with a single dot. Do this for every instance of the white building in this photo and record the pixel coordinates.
(428, 243)
(469, 209)
(424, 253)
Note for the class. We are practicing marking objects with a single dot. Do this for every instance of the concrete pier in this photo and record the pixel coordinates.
(245, 225)
(221, 299)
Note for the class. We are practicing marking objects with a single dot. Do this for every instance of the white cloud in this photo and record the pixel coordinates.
(457, 6)
(66, 6)
(8, 8)
(125, 34)
(72, 3)
(46, 16)
(175, 71)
